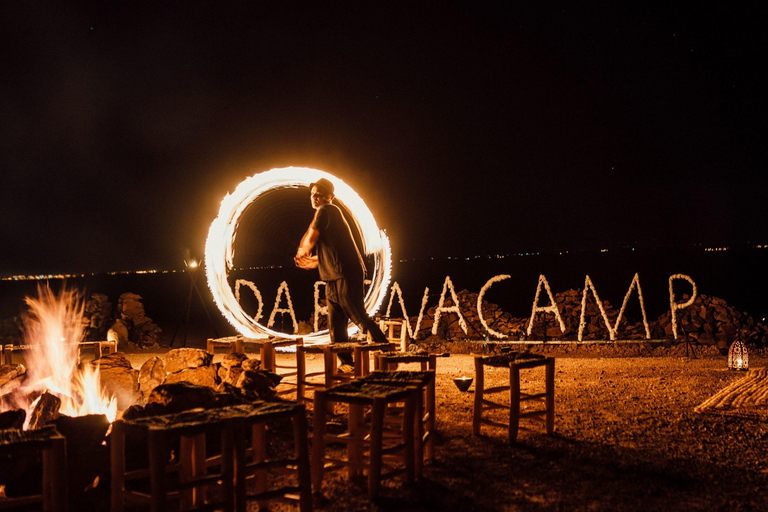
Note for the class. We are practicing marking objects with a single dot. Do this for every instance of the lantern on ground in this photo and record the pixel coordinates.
(737, 356)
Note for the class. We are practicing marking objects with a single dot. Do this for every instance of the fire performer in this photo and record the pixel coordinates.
(340, 264)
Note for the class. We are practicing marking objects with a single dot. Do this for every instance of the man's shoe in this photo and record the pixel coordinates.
(345, 368)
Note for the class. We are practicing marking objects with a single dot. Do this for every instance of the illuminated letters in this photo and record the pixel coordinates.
(552, 308)
(396, 289)
(453, 309)
(611, 329)
(480, 296)
(675, 306)
(243, 282)
(283, 289)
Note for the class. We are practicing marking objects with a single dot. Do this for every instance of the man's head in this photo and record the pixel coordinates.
(321, 192)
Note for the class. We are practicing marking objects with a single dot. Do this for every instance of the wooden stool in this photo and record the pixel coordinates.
(395, 329)
(389, 361)
(515, 363)
(258, 418)
(97, 346)
(331, 376)
(53, 447)
(189, 428)
(360, 437)
(425, 409)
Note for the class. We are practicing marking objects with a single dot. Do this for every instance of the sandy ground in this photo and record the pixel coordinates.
(626, 438)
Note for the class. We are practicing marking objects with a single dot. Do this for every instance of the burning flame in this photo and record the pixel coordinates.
(219, 247)
(52, 329)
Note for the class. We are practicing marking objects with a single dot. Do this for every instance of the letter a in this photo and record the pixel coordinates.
(283, 289)
(552, 308)
(396, 290)
(453, 309)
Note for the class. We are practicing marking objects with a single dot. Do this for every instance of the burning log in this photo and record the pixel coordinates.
(11, 376)
(12, 419)
(46, 410)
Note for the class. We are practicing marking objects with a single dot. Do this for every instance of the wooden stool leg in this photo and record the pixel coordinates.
(301, 375)
(361, 362)
(329, 360)
(117, 466)
(477, 413)
(158, 455)
(431, 421)
(377, 427)
(418, 433)
(259, 449)
(268, 356)
(209, 345)
(237, 462)
(239, 346)
(318, 439)
(55, 475)
(409, 417)
(550, 400)
(514, 401)
(232, 476)
(186, 473)
(302, 458)
(356, 437)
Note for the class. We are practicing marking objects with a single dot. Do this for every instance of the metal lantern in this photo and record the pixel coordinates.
(737, 356)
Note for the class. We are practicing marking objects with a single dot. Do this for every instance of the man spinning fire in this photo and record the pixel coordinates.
(340, 265)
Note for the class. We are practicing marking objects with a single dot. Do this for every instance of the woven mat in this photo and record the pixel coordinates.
(747, 397)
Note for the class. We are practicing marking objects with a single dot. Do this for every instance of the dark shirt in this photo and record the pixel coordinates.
(337, 253)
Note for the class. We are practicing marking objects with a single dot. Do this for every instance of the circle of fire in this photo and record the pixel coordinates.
(220, 252)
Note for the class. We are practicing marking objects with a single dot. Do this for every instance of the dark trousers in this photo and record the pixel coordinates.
(345, 303)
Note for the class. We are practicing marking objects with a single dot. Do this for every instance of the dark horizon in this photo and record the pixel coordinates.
(468, 128)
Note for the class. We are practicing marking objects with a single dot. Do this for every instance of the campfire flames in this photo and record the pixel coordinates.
(52, 329)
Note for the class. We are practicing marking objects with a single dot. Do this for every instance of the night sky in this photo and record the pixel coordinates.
(468, 127)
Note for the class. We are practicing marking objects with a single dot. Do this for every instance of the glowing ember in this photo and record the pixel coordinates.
(219, 247)
(52, 329)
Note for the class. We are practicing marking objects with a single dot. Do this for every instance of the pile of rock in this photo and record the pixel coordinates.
(97, 317)
(140, 328)
(711, 321)
(235, 374)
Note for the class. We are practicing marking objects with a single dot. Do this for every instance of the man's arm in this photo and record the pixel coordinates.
(308, 242)
(304, 258)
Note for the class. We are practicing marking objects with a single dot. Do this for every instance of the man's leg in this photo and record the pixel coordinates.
(337, 320)
(350, 298)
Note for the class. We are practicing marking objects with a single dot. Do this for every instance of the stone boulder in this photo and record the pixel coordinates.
(151, 375)
(183, 358)
(261, 382)
(251, 365)
(201, 376)
(118, 378)
(233, 359)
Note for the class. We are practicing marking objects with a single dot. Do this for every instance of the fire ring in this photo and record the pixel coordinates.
(219, 246)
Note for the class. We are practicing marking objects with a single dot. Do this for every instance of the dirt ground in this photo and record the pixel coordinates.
(626, 438)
